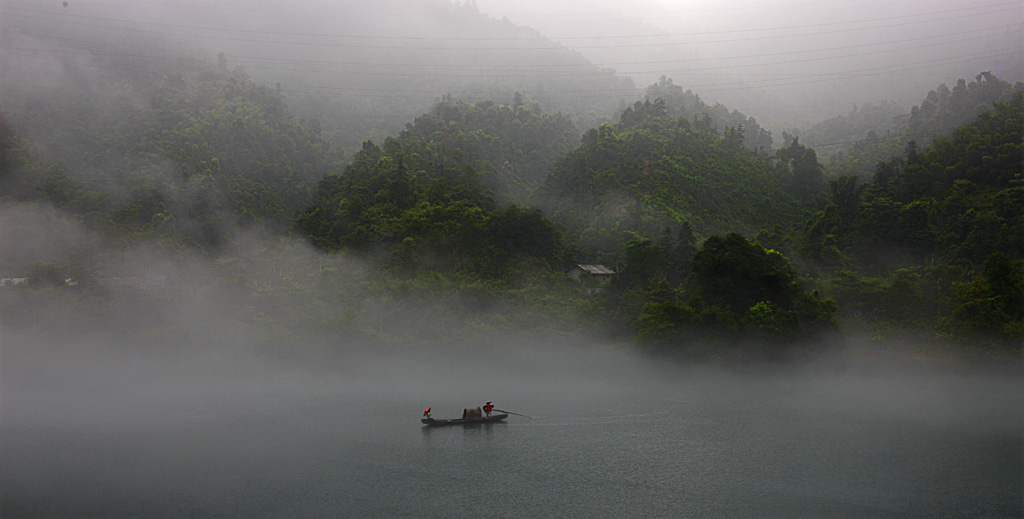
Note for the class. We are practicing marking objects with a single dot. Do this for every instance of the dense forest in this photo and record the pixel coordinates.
(932, 245)
(854, 143)
(724, 241)
(652, 170)
(169, 160)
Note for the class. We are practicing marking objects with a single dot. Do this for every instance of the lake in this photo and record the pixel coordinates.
(228, 436)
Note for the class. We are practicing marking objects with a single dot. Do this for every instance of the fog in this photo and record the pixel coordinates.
(203, 421)
(220, 396)
(208, 397)
(378, 66)
(788, 63)
(264, 377)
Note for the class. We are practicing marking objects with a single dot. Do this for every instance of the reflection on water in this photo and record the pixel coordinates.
(469, 430)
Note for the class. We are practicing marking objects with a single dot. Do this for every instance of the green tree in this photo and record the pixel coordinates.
(522, 231)
(737, 274)
(845, 193)
(772, 321)
(807, 180)
(992, 303)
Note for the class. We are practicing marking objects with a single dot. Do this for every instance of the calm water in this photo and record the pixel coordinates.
(698, 443)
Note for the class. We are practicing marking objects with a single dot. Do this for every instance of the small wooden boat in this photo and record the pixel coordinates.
(464, 421)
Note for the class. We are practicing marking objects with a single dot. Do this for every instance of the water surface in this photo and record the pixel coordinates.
(166, 439)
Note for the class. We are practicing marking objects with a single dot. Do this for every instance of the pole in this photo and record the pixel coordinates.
(510, 412)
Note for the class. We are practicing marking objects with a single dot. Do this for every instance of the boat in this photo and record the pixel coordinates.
(464, 421)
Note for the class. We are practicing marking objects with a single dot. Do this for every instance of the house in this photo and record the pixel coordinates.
(600, 272)
(596, 276)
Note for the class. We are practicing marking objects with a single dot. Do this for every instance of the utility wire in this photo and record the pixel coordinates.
(165, 53)
(789, 80)
(225, 5)
(204, 180)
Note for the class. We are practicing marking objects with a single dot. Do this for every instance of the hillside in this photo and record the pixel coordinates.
(424, 52)
(651, 170)
(719, 240)
(854, 144)
(932, 250)
(690, 106)
(935, 241)
(181, 157)
(512, 146)
(421, 200)
(362, 70)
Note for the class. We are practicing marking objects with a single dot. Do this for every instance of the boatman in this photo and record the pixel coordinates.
(488, 408)
(427, 413)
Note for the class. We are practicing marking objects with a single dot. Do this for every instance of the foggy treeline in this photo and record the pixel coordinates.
(762, 180)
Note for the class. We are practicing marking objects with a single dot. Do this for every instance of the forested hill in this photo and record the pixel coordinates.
(651, 170)
(177, 151)
(429, 51)
(956, 202)
(855, 143)
(460, 54)
(689, 105)
(362, 69)
(426, 200)
(714, 241)
(937, 239)
(512, 146)
(932, 249)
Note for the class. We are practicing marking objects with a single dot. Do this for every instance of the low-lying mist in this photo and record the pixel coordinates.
(279, 379)
(206, 418)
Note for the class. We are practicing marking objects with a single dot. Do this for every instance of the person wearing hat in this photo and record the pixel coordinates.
(488, 408)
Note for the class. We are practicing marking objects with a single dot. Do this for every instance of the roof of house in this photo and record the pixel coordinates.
(597, 270)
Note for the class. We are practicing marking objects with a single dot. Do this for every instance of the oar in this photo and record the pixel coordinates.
(510, 412)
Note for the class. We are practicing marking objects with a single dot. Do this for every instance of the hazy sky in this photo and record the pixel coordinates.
(788, 53)
(782, 61)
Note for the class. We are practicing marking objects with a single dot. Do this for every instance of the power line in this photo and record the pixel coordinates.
(882, 70)
(223, 5)
(574, 93)
(516, 71)
(689, 13)
(206, 180)
(434, 66)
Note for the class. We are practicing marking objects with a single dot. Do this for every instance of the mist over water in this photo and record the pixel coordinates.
(107, 430)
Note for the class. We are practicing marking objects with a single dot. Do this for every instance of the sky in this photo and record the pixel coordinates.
(768, 57)
(788, 63)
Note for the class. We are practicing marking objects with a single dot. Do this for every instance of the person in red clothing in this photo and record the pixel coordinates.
(488, 408)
